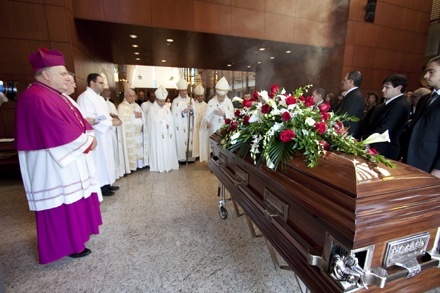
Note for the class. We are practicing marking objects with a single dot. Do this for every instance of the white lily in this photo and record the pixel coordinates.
(376, 137)
(234, 137)
(310, 122)
(235, 99)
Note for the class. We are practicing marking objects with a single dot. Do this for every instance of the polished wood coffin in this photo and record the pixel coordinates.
(386, 218)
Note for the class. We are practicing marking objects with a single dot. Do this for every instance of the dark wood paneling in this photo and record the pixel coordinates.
(173, 14)
(87, 9)
(129, 11)
(212, 18)
(243, 26)
(57, 23)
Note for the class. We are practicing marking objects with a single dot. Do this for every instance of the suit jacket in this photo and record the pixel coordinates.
(423, 145)
(392, 117)
(353, 104)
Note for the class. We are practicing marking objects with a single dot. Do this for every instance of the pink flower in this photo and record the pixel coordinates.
(255, 96)
(321, 127)
(290, 100)
(265, 109)
(372, 151)
(237, 113)
(247, 103)
(309, 102)
(233, 126)
(227, 121)
(287, 135)
(339, 127)
(246, 119)
(324, 107)
(324, 144)
(274, 89)
(285, 116)
(325, 116)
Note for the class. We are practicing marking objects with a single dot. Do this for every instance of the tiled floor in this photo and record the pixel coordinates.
(161, 233)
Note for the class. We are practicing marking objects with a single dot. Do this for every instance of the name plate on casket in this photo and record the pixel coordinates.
(342, 226)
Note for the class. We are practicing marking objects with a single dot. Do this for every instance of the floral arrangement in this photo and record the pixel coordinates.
(275, 126)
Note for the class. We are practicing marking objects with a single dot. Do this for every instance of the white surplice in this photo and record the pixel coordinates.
(200, 109)
(94, 106)
(181, 123)
(136, 134)
(215, 121)
(162, 145)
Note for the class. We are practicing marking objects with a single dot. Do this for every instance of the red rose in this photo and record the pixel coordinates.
(246, 119)
(255, 96)
(265, 109)
(227, 121)
(339, 127)
(223, 131)
(324, 144)
(309, 102)
(324, 107)
(274, 89)
(321, 127)
(285, 116)
(325, 116)
(237, 113)
(287, 135)
(372, 151)
(233, 126)
(247, 103)
(290, 100)
(301, 98)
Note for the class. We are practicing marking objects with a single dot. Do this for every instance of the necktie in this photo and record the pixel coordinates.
(433, 97)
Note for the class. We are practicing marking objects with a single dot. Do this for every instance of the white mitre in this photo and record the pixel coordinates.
(199, 90)
(161, 93)
(222, 86)
(182, 85)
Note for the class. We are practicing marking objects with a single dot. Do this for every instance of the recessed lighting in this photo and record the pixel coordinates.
(262, 49)
(229, 65)
(288, 52)
(163, 60)
(259, 62)
(248, 66)
(136, 53)
(135, 46)
(133, 36)
(138, 59)
(272, 58)
(170, 40)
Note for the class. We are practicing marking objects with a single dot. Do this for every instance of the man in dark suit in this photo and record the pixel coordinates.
(391, 115)
(423, 149)
(353, 102)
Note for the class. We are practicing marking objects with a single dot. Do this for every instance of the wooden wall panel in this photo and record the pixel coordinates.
(57, 23)
(173, 14)
(18, 21)
(87, 9)
(283, 7)
(129, 11)
(55, 2)
(259, 5)
(14, 57)
(247, 23)
(212, 18)
(279, 27)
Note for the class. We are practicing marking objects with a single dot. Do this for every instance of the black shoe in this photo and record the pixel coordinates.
(107, 192)
(113, 188)
(83, 253)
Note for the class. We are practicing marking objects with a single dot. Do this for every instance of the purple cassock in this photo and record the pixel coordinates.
(47, 120)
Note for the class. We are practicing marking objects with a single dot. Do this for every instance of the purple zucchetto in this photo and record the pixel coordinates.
(46, 58)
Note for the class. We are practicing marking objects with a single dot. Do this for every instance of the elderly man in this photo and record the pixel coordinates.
(183, 112)
(219, 108)
(134, 124)
(54, 142)
(162, 146)
(200, 109)
(94, 106)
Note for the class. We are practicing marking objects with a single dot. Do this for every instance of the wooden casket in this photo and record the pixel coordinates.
(346, 225)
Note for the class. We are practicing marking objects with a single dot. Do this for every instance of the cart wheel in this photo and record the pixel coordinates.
(223, 212)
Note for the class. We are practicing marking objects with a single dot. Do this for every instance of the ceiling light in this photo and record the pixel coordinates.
(136, 53)
(248, 66)
(138, 59)
(229, 65)
(272, 58)
(262, 49)
(133, 36)
(288, 52)
(170, 40)
(259, 62)
(135, 46)
(163, 60)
